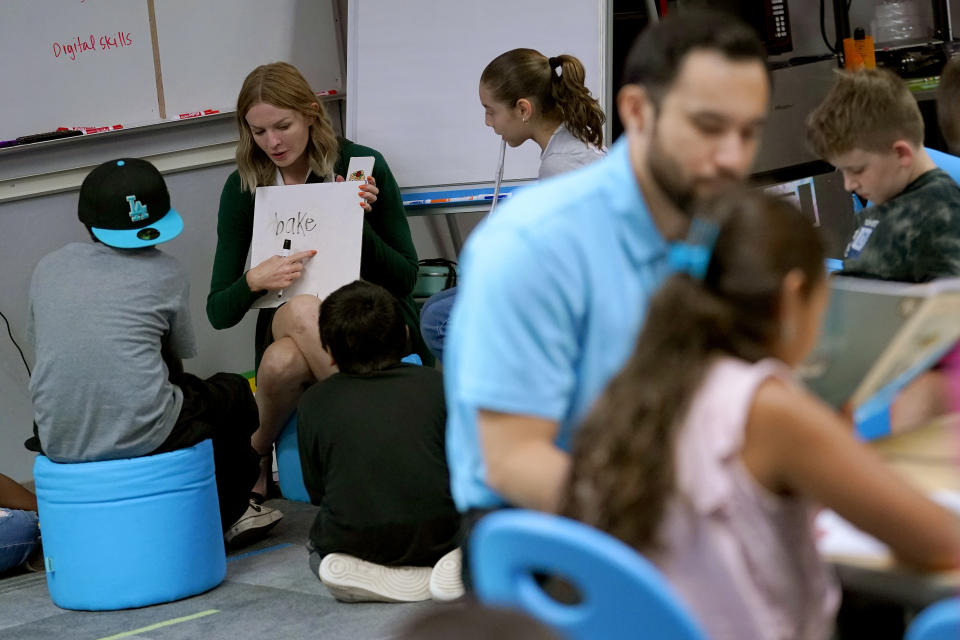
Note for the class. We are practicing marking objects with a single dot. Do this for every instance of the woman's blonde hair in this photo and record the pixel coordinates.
(279, 84)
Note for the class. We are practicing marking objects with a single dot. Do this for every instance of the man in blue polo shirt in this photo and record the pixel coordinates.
(555, 285)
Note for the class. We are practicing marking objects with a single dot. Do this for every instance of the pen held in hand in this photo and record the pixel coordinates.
(284, 253)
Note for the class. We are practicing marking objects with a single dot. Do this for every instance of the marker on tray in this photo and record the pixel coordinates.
(455, 199)
(48, 135)
(89, 130)
(197, 114)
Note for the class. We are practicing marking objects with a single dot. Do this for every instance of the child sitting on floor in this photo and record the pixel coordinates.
(371, 440)
(704, 454)
(19, 533)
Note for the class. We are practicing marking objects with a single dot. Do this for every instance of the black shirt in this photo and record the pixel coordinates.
(373, 458)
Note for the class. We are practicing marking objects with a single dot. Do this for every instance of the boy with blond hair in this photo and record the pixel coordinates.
(870, 128)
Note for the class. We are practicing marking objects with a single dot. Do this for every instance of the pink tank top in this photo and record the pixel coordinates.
(742, 558)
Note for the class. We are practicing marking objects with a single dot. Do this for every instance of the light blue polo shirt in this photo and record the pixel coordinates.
(554, 288)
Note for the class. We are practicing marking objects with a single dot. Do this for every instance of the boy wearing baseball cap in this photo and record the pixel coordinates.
(110, 323)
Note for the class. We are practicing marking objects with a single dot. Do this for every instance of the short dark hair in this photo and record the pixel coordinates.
(362, 327)
(658, 53)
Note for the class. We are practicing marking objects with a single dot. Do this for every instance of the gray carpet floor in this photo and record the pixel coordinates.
(269, 593)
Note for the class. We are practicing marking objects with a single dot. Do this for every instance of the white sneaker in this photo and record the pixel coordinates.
(254, 524)
(446, 581)
(351, 579)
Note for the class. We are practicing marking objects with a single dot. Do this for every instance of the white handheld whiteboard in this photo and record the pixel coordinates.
(413, 71)
(326, 217)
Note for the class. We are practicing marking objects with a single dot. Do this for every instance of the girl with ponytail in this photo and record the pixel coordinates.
(528, 96)
(705, 455)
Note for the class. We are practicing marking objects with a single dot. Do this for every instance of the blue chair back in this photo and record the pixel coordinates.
(940, 621)
(947, 162)
(621, 593)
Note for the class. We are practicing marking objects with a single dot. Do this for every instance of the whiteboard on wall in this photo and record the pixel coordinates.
(90, 63)
(207, 48)
(413, 70)
(75, 63)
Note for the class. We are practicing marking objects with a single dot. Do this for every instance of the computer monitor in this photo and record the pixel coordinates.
(829, 207)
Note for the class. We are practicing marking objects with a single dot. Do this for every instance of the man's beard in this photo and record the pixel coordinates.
(669, 177)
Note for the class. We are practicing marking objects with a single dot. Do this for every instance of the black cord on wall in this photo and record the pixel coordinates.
(823, 30)
(10, 333)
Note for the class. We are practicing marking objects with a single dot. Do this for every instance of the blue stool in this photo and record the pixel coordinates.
(289, 471)
(133, 532)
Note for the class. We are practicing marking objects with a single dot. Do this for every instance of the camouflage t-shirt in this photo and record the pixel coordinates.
(913, 237)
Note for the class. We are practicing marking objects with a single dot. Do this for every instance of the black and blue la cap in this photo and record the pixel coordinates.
(125, 203)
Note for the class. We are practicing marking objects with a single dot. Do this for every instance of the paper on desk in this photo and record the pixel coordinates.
(838, 538)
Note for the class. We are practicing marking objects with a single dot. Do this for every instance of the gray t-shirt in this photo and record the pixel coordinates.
(565, 152)
(98, 319)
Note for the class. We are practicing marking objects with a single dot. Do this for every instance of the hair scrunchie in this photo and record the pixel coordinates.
(554, 63)
(693, 255)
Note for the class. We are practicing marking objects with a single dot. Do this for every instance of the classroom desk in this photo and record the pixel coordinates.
(928, 458)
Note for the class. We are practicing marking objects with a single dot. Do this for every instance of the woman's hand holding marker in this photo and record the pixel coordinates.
(278, 272)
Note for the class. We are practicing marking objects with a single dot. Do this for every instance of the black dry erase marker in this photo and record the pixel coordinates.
(283, 254)
(50, 135)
